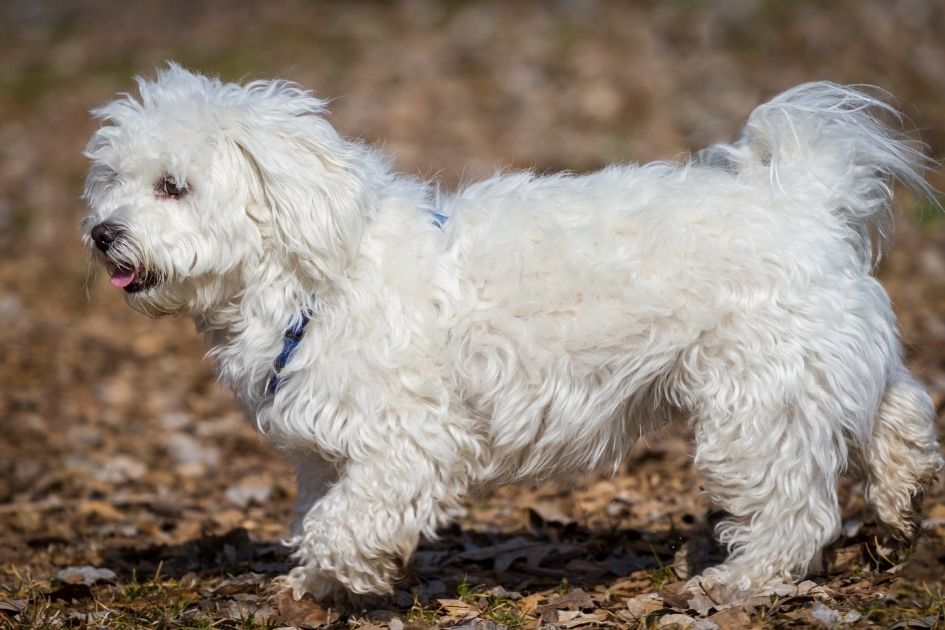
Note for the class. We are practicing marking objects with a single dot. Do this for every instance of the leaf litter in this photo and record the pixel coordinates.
(134, 494)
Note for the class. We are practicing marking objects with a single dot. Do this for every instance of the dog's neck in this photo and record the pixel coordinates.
(246, 334)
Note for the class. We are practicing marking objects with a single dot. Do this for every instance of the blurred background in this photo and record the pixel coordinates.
(117, 447)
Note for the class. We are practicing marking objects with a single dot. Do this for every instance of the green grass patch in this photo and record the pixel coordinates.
(926, 213)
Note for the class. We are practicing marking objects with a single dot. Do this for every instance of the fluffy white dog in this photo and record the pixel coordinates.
(408, 347)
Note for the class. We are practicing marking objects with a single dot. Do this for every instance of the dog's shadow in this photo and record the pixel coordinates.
(546, 555)
(232, 553)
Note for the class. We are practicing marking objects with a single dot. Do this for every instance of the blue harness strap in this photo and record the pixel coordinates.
(290, 341)
(438, 219)
(293, 334)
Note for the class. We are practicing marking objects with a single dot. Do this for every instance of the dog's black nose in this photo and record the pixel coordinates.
(104, 234)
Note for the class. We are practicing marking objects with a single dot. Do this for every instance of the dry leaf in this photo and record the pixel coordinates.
(530, 603)
(642, 605)
(676, 621)
(732, 619)
(458, 608)
(304, 613)
(575, 599)
(100, 510)
(576, 618)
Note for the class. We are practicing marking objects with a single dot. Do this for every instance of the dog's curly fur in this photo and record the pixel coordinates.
(543, 327)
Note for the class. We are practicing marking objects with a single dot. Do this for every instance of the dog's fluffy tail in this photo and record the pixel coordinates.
(825, 145)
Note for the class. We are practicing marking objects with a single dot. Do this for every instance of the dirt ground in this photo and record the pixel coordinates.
(121, 454)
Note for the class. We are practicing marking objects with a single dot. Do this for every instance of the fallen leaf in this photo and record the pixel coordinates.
(642, 605)
(731, 619)
(936, 516)
(499, 591)
(576, 618)
(676, 620)
(457, 608)
(915, 622)
(99, 510)
(675, 596)
(228, 519)
(575, 599)
(304, 613)
(844, 559)
(12, 607)
(529, 603)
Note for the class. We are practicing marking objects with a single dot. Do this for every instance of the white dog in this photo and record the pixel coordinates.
(408, 348)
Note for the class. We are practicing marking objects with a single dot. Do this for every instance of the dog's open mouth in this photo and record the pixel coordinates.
(131, 279)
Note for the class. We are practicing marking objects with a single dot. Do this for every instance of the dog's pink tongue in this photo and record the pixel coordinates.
(122, 278)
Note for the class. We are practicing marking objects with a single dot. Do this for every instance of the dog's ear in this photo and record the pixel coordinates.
(315, 184)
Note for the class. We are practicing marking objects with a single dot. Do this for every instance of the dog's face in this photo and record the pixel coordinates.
(199, 185)
(169, 196)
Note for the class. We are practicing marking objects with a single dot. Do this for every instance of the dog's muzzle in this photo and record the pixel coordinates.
(122, 274)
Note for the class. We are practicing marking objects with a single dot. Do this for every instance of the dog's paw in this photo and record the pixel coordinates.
(713, 587)
(302, 581)
(719, 585)
(723, 585)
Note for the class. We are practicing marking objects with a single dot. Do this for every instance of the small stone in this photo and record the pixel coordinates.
(249, 492)
(174, 421)
(87, 575)
(824, 614)
(851, 617)
(851, 527)
(120, 469)
(189, 452)
(10, 306)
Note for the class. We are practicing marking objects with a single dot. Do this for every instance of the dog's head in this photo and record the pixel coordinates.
(199, 188)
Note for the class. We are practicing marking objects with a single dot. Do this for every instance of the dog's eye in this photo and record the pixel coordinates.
(167, 187)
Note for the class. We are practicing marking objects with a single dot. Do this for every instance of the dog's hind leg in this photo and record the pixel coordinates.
(770, 445)
(902, 452)
(767, 466)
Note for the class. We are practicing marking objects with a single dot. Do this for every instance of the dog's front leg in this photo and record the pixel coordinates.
(314, 477)
(359, 534)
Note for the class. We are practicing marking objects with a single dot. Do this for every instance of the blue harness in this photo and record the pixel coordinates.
(290, 341)
(438, 219)
(293, 334)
